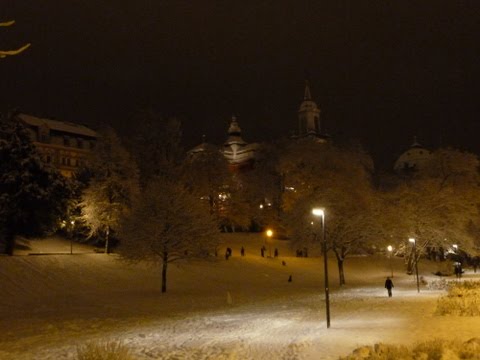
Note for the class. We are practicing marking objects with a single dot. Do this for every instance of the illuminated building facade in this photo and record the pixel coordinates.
(65, 145)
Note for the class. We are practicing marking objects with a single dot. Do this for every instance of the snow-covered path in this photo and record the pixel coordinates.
(287, 328)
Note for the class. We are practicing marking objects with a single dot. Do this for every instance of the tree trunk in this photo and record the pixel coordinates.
(164, 272)
(341, 272)
(107, 235)
(9, 241)
(340, 260)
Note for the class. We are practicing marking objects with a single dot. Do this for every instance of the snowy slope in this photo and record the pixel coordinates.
(243, 308)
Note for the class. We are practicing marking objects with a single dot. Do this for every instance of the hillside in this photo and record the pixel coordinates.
(243, 307)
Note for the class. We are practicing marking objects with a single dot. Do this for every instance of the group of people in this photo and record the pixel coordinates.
(228, 252)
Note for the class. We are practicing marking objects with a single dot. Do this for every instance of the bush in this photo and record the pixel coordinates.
(440, 284)
(463, 299)
(112, 350)
(430, 350)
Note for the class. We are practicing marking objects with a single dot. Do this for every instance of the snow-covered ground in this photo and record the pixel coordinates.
(243, 308)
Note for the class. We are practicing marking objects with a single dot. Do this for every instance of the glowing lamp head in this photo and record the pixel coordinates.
(455, 246)
(72, 222)
(389, 248)
(412, 240)
(269, 233)
(318, 212)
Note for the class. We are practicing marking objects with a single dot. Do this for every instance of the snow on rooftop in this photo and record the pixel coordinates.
(63, 126)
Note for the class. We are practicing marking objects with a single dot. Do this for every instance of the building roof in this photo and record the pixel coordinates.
(63, 126)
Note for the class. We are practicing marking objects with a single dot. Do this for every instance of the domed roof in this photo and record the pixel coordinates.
(414, 158)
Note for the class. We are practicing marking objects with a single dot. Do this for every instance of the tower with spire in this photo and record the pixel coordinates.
(309, 124)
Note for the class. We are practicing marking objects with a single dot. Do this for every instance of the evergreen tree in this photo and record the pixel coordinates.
(33, 195)
(112, 188)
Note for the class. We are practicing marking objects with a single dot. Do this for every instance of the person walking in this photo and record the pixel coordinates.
(242, 251)
(389, 286)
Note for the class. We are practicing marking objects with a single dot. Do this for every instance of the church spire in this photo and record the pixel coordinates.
(307, 95)
(309, 115)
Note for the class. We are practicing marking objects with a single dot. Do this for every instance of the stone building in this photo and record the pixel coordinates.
(63, 144)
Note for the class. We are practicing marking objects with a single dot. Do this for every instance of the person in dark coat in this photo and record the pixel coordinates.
(389, 286)
(275, 254)
(242, 251)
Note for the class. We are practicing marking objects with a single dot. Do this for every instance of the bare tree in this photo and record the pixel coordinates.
(5, 53)
(337, 179)
(156, 145)
(437, 205)
(206, 175)
(167, 224)
(112, 189)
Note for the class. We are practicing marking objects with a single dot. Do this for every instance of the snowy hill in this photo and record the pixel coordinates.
(242, 308)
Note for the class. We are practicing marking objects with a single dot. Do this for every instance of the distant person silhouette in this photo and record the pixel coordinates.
(389, 286)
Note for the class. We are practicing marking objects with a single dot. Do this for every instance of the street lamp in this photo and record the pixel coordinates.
(269, 235)
(390, 249)
(71, 236)
(412, 240)
(320, 212)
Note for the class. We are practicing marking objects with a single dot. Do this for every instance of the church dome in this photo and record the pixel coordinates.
(413, 159)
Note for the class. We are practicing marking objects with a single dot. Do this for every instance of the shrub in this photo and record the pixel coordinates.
(463, 299)
(430, 350)
(112, 350)
(438, 284)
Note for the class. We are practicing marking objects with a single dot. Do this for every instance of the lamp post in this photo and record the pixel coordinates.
(390, 249)
(71, 236)
(412, 240)
(269, 235)
(320, 212)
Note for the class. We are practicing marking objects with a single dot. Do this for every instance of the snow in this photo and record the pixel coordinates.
(243, 308)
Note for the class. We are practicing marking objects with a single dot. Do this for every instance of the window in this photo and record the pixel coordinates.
(66, 141)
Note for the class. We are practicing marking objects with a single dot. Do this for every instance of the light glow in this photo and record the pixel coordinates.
(318, 212)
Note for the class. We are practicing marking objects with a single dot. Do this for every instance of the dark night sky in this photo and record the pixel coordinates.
(381, 71)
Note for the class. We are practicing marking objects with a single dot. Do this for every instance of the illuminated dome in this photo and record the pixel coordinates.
(413, 159)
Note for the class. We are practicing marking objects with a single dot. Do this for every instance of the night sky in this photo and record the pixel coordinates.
(380, 71)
